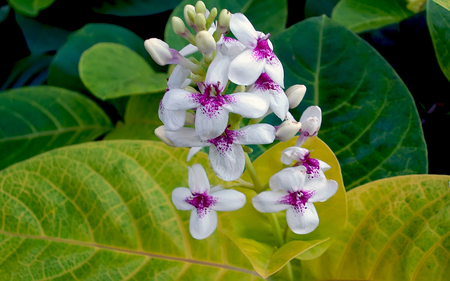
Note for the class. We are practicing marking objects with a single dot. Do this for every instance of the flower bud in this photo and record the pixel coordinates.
(158, 50)
(187, 15)
(287, 130)
(200, 21)
(295, 95)
(178, 26)
(212, 16)
(205, 42)
(224, 19)
(200, 7)
(160, 132)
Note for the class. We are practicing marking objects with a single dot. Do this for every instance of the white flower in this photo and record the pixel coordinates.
(311, 120)
(292, 192)
(204, 202)
(315, 168)
(213, 107)
(257, 58)
(225, 153)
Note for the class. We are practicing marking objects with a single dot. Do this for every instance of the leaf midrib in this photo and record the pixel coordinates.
(127, 251)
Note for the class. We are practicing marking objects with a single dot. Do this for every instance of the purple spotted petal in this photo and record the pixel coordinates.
(302, 221)
(246, 68)
(227, 158)
(202, 223)
(269, 202)
(179, 196)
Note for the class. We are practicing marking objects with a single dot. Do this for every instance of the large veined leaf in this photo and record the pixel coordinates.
(103, 211)
(63, 70)
(111, 70)
(253, 232)
(398, 229)
(443, 3)
(266, 15)
(128, 8)
(37, 119)
(369, 117)
(362, 15)
(141, 119)
(30, 7)
(319, 7)
(438, 22)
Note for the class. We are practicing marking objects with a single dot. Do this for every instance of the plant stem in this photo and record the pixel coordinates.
(288, 268)
(276, 228)
(253, 175)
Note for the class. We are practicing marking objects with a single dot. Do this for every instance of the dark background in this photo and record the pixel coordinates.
(406, 46)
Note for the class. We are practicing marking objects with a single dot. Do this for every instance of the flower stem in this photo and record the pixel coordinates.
(253, 175)
(276, 228)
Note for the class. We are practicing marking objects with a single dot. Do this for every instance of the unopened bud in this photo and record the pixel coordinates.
(200, 21)
(295, 95)
(178, 26)
(187, 15)
(224, 19)
(200, 7)
(212, 16)
(160, 132)
(158, 50)
(205, 42)
(287, 130)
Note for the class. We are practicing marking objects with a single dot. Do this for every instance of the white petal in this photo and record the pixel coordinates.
(243, 30)
(188, 50)
(227, 161)
(311, 119)
(192, 152)
(279, 103)
(274, 69)
(173, 119)
(304, 221)
(245, 68)
(210, 121)
(186, 137)
(178, 99)
(293, 153)
(179, 196)
(323, 166)
(255, 134)
(202, 225)
(247, 104)
(198, 180)
(289, 179)
(231, 47)
(323, 189)
(269, 202)
(178, 77)
(228, 200)
(218, 71)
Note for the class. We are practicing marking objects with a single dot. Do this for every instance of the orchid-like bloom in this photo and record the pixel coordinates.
(311, 120)
(315, 168)
(204, 202)
(212, 106)
(278, 101)
(174, 120)
(291, 191)
(226, 154)
(257, 58)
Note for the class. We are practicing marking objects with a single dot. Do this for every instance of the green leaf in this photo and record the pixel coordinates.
(127, 8)
(37, 119)
(111, 70)
(443, 3)
(30, 7)
(362, 15)
(4, 11)
(63, 70)
(41, 38)
(253, 232)
(315, 8)
(438, 21)
(266, 16)
(103, 211)
(398, 229)
(141, 119)
(369, 118)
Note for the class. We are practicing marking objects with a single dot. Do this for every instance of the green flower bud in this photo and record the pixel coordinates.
(200, 21)
(212, 16)
(205, 42)
(224, 19)
(178, 26)
(187, 15)
(200, 7)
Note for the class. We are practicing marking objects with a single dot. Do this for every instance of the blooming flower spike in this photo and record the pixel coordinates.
(204, 202)
(292, 192)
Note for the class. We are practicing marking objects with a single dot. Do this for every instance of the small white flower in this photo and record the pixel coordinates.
(292, 192)
(204, 202)
(315, 168)
(311, 120)
(257, 58)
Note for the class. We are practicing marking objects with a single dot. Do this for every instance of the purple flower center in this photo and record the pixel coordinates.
(262, 50)
(211, 101)
(312, 166)
(225, 142)
(202, 202)
(265, 83)
(297, 199)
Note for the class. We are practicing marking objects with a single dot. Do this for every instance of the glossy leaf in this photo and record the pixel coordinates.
(29, 7)
(127, 8)
(266, 16)
(41, 38)
(398, 229)
(443, 3)
(37, 119)
(315, 8)
(111, 70)
(141, 119)
(362, 15)
(438, 22)
(64, 67)
(369, 117)
(4, 11)
(253, 231)
(103, 211)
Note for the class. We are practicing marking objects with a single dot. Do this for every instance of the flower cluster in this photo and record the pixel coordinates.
(199, 109)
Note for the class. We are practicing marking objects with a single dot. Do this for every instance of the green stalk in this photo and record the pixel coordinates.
(253, 175)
